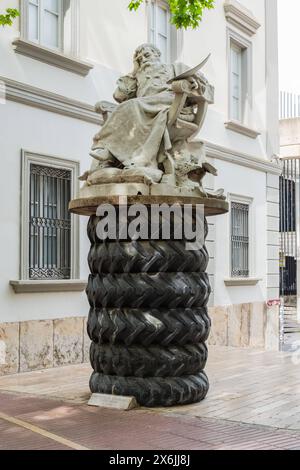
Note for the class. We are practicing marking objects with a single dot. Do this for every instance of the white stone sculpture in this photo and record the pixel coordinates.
(143, 145)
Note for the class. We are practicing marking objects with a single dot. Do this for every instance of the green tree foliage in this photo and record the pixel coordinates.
(8, 17)
(184, 13)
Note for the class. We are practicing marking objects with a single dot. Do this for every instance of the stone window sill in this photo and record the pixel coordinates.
(52, 57)
(236, 126)
(241, 281)
(30, 286)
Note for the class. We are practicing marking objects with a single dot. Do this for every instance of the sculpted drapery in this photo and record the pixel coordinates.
(140, 142)
(141, 118)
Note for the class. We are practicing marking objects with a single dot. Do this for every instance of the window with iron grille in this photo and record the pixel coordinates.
(239, 239)
(287, 203)
(49, 223)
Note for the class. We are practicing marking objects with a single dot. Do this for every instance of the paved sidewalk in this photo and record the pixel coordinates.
(256, 387)
(34, 423)
(291, 328)
(254, 400)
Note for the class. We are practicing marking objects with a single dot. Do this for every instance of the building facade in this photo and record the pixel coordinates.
(57, 60)
(289, 210)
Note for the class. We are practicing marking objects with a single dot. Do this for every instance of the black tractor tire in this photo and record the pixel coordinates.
(146, 257)
(157, 290)
(153, 391)
(153, 361)
(149, 326)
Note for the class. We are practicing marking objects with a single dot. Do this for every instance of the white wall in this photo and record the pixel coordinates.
(212, 37)
(249, 183)
(45, 133)
(109, 35)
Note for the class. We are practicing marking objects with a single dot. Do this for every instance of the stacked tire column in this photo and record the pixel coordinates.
(148, 319)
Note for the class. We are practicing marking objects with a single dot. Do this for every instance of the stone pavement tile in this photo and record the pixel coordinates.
(282, 443)
(97, 428)
(15, 438)
(67, 382)
(238, 415)
(203, 435)
(176, 442)
(269, 410)
(242, 438)
(293, 422)
(250, 446)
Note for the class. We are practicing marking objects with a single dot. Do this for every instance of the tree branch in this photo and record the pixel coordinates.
(184, 13)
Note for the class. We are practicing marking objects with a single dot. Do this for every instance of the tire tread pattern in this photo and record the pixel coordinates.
(153, 391)
(153, 361)
(142, 290)
(148, 320)
(146, 257)
(149, 326)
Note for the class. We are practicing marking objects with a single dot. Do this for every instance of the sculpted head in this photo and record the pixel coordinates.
(146, 54)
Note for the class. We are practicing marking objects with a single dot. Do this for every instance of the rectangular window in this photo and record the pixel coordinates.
(33, 20)
(287, 204)
(239, 79)
(159, 28)
(236, 82)
(45, 22)
(49, 223)
(239, 239)
(49, 248)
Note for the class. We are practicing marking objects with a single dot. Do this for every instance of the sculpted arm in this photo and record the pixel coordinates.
(126, 88)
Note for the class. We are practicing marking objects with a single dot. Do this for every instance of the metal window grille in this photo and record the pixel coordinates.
(289, 199)
(239, 239)
(49, 223)
(289, 105)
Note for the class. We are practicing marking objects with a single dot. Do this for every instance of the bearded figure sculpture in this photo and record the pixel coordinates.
(144, 142)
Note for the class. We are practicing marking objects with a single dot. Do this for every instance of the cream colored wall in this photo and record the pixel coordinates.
(111, 33)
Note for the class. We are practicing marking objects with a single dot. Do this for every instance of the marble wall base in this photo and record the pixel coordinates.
(42, 344)
(252, 325)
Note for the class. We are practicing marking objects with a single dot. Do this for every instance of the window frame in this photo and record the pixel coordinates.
(72, 26)
(239, 73)
(163, 4)
(28, 158)
(239, 199)
(236, 40)
(41, 9)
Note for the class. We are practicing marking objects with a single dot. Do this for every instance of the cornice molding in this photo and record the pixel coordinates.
(242, 159)
(38, 98)
(241, 129)
(241, 17)
(52, 57)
